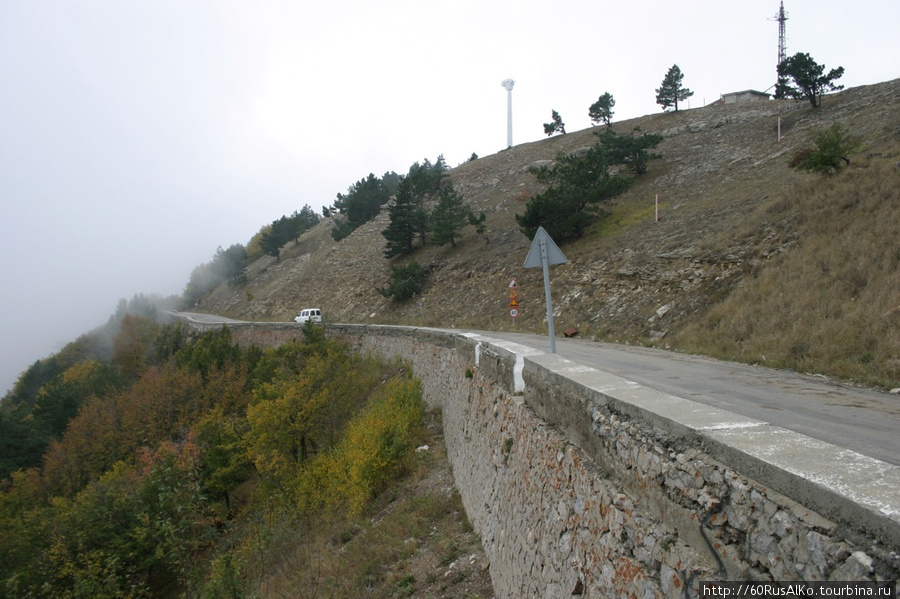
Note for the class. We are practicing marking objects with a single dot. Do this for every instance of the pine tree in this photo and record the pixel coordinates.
(577, 188)
(409, 217)
(556, 124)
(601, 111)
(449, 216)
(671, 91)
(478, 223)
(363, 200)
(808, 79)
(401, 231)
(631, 150)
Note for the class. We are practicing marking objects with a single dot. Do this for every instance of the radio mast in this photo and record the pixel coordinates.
(781, 83)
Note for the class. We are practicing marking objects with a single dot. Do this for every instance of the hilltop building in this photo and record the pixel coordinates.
(749, 95)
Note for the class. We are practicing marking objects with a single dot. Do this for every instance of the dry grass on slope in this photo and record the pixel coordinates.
(831, 301)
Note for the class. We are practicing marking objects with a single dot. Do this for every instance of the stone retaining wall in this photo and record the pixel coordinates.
(583, 484)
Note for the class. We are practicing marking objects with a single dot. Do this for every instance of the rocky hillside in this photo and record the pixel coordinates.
(633, 278)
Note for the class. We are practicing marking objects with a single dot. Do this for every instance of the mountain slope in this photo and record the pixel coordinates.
(730, 210)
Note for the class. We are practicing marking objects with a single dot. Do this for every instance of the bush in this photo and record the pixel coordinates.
(370, 454)
(577, 186)
(406, 281)
(833, 146)
(376, 443)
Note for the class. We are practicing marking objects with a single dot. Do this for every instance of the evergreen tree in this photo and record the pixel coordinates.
(286, 229)
(630, 150)
(808, 78)
(406, 281)
(449, 216)
(408, 214)
(577, 185)
(274, 237)
(391, 181)
(556, 125)
(601, 111)
(229, 265)
(361, 204)
(426, 177)
(401, 231)
(478, 223)
(671, 90)
(306, 218)
(226, 265)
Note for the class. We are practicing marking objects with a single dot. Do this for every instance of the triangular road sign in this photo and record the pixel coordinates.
(554, 254)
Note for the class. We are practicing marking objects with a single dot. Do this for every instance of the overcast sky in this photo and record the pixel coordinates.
(137, 136)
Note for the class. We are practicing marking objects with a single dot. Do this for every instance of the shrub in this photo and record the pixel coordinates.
(833, 146)
(800, 156)
(406, 281)
(577, 187)
(371, 452)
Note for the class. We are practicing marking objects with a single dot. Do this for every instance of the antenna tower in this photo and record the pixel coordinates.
(781, 17)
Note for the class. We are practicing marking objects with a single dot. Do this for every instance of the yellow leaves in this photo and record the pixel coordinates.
(82, 372)
(294, 416)
(371, 451)
(132, 344)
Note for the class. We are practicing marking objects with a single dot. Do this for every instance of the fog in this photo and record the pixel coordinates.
(137, 137)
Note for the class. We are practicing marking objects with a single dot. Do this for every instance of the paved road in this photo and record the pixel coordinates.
(863, 420)
(206, 318)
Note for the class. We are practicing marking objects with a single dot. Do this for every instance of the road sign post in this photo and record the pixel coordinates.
(543, 253)
(514, 299)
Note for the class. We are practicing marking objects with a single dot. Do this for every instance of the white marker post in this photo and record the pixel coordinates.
(543, 253)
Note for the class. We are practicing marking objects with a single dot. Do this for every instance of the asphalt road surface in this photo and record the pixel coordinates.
(863, 420)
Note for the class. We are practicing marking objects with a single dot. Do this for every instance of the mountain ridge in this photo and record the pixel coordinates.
(728, 209)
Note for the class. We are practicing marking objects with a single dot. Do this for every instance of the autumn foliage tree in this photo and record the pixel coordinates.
(133, 344)
(135, 496)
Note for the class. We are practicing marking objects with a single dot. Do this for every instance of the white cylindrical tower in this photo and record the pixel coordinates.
(508, 84)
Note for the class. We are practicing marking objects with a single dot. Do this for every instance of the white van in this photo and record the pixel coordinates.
(309, 314)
